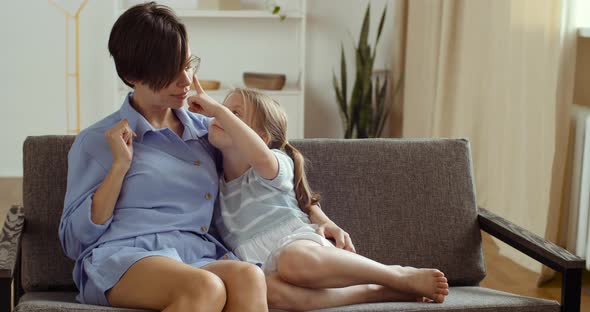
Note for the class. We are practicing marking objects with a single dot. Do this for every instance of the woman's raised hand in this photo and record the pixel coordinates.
(202, 103)
(120, 140)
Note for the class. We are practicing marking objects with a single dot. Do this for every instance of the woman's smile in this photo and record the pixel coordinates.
(181, 96)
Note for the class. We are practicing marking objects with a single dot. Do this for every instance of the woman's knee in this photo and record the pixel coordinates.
(245, 279)
(250, 273)
(237, 272)
(201, 287)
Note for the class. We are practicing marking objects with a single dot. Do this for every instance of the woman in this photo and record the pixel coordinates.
(142, 184)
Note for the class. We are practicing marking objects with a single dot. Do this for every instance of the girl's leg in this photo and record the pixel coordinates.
(244, 283)
(285, 296)
(307, 264)
(164, 284)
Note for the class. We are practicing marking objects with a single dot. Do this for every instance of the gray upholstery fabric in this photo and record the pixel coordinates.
(459, 299)
(44, 265)
(407, 201)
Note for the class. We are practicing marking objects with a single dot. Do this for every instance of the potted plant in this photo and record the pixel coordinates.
(365, 113)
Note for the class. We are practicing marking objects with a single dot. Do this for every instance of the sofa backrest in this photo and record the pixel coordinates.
(45, 169)
(404, 201)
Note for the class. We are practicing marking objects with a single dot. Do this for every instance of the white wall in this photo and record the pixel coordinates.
(329, 23)
(32, 63)
(32, 78)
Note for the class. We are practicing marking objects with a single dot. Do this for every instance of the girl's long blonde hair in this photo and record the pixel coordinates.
(267, 116)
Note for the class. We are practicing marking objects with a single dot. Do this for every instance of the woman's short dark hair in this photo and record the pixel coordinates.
(149, 44)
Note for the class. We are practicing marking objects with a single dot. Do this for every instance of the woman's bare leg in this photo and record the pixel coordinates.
(164, 284)
(244, 283)
(307, 264)
(285, 296)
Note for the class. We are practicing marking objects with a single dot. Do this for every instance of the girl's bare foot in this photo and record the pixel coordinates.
(429, 283)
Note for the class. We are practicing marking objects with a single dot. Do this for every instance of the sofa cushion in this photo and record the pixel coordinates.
(460, 299)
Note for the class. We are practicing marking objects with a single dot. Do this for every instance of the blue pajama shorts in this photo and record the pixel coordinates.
(104, 266)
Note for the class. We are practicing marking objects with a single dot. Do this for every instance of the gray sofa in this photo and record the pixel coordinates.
(408, 202)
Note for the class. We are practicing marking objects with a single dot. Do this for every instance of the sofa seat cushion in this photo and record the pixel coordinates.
(460, 299)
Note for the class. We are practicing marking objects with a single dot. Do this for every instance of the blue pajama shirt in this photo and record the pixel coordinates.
(165, 206)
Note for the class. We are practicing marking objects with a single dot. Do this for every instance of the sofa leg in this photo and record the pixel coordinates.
(5, 294)
(571, 290)
(17, 284)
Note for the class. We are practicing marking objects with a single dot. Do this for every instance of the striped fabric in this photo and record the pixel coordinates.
(251, 204)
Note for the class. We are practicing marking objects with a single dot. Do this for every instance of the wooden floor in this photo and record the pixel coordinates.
(506, 275)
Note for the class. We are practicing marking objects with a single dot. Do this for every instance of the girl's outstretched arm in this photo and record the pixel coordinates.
(246, 140)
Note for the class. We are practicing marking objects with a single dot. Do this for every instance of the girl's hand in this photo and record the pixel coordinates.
(120, 140)
(329, 229)
(202, 103)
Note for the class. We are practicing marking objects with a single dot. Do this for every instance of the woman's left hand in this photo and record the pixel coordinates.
(329, 229)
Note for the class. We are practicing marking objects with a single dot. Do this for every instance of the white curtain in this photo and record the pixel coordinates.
(499, 72)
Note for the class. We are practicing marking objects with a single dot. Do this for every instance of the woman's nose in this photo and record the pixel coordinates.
(184, 80)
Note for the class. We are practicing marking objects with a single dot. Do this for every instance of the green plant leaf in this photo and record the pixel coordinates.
(381, 23)
(378, 106)
(364, 36)
(393, 97)
(339, 97)
(341, 103)
(380, 26)
(276, 9)
(366, 117)
(343, 73)
(336, 89)
(355, 105)
(381, 114)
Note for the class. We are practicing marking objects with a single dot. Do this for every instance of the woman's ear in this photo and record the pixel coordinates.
(131, 82)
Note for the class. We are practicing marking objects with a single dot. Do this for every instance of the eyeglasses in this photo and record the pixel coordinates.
(193, 66)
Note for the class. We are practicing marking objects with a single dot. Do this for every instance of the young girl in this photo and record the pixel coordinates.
(260, 193)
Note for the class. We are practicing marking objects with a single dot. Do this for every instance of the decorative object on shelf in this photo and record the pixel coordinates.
(365, 115)
(265, 81)
(275, 8)
(71, 10)
(208, 84)
(219, 4)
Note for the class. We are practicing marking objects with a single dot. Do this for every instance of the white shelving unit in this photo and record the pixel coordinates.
(184, 13)
(236, 41)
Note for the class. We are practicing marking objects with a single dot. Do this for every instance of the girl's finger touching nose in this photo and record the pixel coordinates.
(197, 85)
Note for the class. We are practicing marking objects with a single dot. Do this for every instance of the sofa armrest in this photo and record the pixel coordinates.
(9, 256)
(542, 250)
